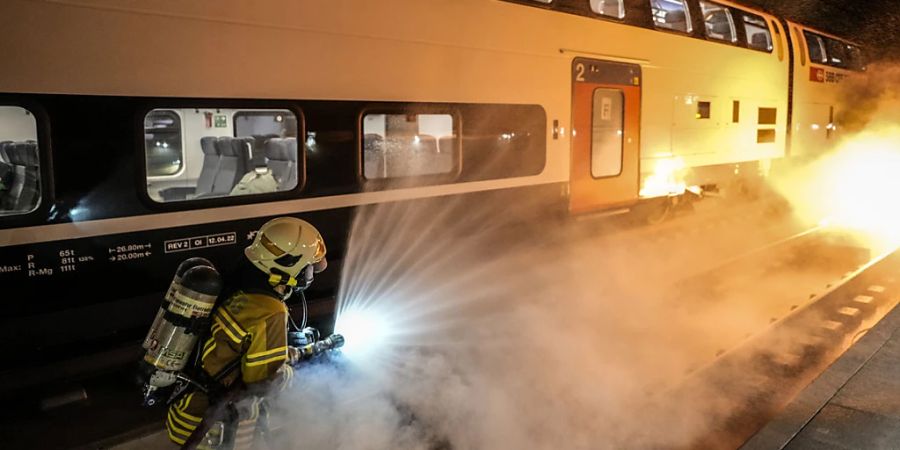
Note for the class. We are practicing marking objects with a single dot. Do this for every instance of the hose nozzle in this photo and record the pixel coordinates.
(316, 348)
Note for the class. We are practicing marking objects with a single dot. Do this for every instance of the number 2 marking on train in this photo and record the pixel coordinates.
(579, 68)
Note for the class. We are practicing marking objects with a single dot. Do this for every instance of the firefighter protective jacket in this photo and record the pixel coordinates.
(248, 326)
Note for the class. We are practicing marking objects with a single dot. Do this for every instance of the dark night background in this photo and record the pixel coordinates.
(873, 23)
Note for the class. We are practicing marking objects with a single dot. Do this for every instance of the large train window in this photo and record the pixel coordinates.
(607, 132)
(757, 31)
(220, 153)
(609, 8)
(20, 175)
(816, 46)
(408, 145)
(671, 15)
(719, 23)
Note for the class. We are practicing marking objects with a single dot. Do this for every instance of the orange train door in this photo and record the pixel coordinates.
(606, 111)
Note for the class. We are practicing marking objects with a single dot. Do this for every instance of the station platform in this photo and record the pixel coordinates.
(854, 404)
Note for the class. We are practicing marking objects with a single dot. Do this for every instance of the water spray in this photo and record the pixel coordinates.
(366, 332)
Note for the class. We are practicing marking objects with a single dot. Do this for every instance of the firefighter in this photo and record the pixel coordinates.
(248, 346)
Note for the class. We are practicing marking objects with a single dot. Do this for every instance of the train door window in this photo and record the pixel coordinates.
(408, 145)
(719, 23)
(607, 132)
(609, 8)
(816, 46)
(226, 153)
(757, 31)
(20, 174)
(162, 141)
(671, 15)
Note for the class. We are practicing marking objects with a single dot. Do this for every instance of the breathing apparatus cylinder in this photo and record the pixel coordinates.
(185, 316)
(170, 293)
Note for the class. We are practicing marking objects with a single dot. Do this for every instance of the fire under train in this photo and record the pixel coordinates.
(127, 131)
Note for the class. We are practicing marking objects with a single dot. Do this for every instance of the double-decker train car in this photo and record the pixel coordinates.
(133, 137)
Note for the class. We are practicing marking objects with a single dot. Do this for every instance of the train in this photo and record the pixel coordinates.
(131, 135)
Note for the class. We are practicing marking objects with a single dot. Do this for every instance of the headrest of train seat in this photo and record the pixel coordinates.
(223, 146)
(26, 153)
(18, 154)
(242, 146)
(208, 145)
(4, 157)
(34, 159)
(277, 150)
(759, 40)
(292, 148)
(721, 28)
(259, 140)
(675, 17)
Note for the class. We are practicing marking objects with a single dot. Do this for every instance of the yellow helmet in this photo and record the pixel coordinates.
(284, 247)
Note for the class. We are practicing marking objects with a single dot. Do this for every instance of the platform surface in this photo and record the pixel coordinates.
(854, 404)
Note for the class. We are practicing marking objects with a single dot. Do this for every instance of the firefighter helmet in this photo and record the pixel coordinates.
(284, 247)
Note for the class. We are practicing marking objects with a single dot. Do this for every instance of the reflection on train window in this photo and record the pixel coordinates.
(758, 35)
(671, 15)
(816, 46)
(408, 145)
(607, 132)
(225, 152)
(162, 140)
(719, 24)
(20, 175)
(609, 8)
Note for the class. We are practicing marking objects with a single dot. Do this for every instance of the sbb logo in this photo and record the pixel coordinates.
(817, 74)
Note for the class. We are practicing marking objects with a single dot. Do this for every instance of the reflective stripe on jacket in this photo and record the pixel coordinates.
(249, 327)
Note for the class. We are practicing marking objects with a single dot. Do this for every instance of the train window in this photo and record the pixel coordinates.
(162, 141)
(757, 31)
(20, 175)
(607, 133)
(767, 116)
(765, 136)
(226, 152)
(736, 111)
(837, 53)
(816, 46)
(855, 58)
(609, 8)
(719, 23)
(671, 15)
(408, 145)
(704, 110)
